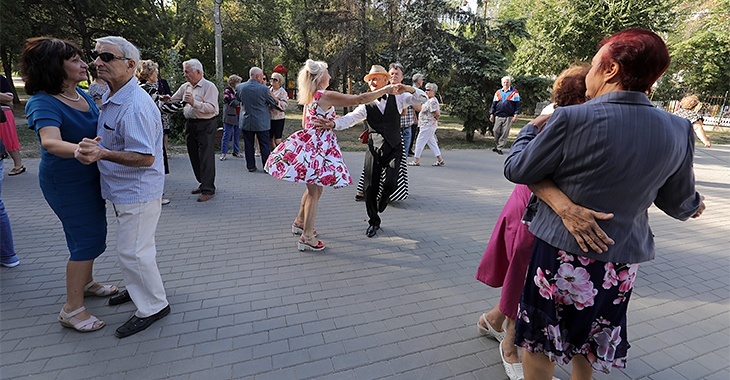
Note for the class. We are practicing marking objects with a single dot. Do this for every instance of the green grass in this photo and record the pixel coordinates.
(450, 135)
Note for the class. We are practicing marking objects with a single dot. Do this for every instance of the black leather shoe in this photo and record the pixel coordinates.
(119, 298)
(251, 170)
(372, 231)
(359, 197)
(137, 324)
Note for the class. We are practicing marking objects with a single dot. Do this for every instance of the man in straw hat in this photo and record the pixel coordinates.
(385, 147)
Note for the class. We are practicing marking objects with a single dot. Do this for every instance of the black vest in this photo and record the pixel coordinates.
(387, 124)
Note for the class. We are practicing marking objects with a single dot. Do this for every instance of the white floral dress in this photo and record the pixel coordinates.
(310, 155)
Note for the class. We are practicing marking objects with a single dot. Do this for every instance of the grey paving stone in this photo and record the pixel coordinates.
(248, 305)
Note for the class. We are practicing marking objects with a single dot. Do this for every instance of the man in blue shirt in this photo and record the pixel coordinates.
(128, 152)
(255, 120)
(505, 107)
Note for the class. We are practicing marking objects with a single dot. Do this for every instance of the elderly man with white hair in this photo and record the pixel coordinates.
(198, 98)
(255, 120)
(505, 107)
(128, 152)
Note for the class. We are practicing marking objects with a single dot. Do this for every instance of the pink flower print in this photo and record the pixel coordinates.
(610, 278)
(280, 167)
(299, 149)
(565, 257)
(607, 341)
(522, 315)
(547, 290)
(301, 171)
(585, 260)
(305, 137)
(553, 333)
(575, 284)
(328, 180)
(290, 157)
(627, 277)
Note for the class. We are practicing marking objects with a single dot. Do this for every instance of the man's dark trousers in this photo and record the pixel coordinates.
(377, 158)
(200, 139)
(264, 147)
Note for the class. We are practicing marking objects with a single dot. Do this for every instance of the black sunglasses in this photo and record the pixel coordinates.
(106, 56)
(274, 79)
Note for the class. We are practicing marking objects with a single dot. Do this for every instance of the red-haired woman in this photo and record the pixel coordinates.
(615, 154)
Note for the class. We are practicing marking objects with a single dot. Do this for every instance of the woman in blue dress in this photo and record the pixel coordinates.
(62, 115)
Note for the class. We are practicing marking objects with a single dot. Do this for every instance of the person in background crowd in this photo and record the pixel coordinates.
(198, 98)
(8, 129)
(417, 81)
(97, 87)
(689, 108)
(231, 110)
(147, 73)
(8, 257)
(163, 89)
(428, 123)
(62, 115)
(255, 119)
(504, 111)
(278, 112)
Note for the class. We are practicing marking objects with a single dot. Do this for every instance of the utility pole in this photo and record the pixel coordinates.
(218, 45)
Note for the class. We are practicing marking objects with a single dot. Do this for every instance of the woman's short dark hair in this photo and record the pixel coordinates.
(41, 63)
(570, 86)
(641, 55)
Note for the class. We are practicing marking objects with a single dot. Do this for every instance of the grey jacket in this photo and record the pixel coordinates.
(615, 153)
(255, 101)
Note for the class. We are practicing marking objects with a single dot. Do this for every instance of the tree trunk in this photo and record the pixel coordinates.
(7, 57)
(218, 47)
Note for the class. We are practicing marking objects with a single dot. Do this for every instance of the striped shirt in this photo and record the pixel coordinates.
(130, 121)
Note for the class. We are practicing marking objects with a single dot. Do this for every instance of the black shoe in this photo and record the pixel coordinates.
(495, 149)
(251, 170)
(137, 324)
(372, 231)
(499, 151)
(359, 197)
(119, 298)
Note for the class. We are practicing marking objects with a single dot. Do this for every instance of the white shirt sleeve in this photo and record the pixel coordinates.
(356, 116)
(406, 99)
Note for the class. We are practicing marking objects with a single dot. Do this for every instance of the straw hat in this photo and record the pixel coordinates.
(376, 70)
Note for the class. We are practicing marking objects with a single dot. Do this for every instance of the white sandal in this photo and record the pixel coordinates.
(298, 231)
(513, 371)
(489, 330)
(103, 291)
(81, 325)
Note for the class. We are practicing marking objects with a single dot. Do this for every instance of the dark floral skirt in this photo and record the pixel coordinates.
(575, 305)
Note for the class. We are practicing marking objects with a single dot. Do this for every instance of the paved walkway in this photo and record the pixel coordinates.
(247, 304)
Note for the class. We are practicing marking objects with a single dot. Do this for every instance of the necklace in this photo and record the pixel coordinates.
(78, 97)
